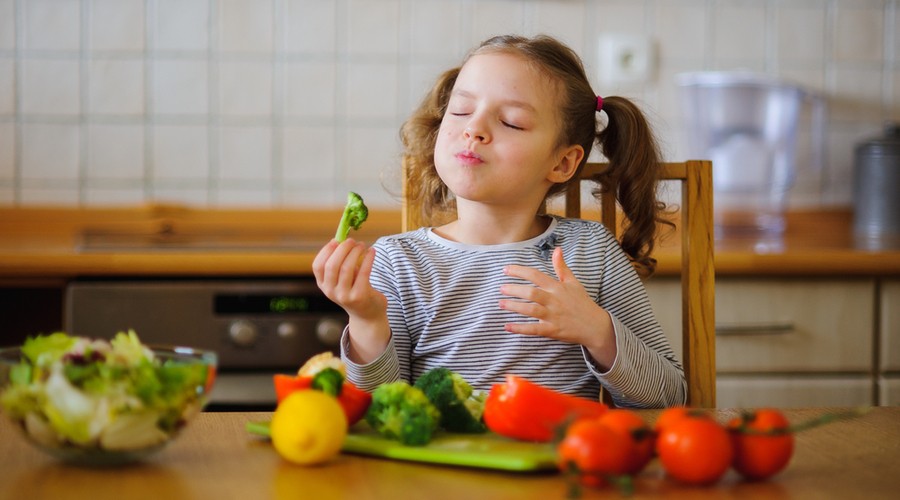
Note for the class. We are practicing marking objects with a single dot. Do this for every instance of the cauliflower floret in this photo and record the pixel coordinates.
(321, 361)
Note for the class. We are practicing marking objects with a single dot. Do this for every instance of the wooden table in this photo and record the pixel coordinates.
(216, 459)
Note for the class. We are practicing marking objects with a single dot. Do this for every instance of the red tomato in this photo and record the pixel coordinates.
(670, 415)
(694, 449)
(639, 434)
(762, 443)
(595, 451)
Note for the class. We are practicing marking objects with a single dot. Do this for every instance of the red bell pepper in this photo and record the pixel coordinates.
(352, 399)
(521, 409)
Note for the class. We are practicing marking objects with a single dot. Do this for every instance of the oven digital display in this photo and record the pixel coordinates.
(272, 304)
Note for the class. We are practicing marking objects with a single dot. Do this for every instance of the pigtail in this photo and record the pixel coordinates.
(418, 136)
(628, 143)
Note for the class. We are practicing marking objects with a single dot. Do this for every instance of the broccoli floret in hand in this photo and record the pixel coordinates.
(400, 411)
(355, 213)
(461, 409)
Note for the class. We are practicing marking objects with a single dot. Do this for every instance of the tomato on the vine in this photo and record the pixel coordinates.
(594, 450)
(694, 449)
(670, 415)
(762, 442)
(639, 434)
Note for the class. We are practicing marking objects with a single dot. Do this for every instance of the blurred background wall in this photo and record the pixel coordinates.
(290, 103)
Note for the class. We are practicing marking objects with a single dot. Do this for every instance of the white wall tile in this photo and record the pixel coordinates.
(494, 17)
(243, 196)
(435, 28)
(117, 24)
(372, 26)
(800, 34)
(7, 196)
(116, 86)
(50, 86)
(52, 24)
(312, 195)
(620, 16)
(7, 24)
(246, 25)
(106, 195)
(563, 18)
(856, 95)
(7, 86)
(59, 162)
(372, 152)
(181, 87)
(308, 154)
(180, 152)
(182, 25)
(859, 32)
(246, 153)
(7, 152)
(310, 26)
(49, 195)
(682, 29)
(115, 152)
(739, 32)
(179, 195)
(245, 88)
(371, 90)
(310, 89)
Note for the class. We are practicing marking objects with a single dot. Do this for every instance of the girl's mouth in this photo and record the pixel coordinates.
(469, 158)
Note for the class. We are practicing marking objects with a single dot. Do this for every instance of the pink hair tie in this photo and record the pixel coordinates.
(599, 103)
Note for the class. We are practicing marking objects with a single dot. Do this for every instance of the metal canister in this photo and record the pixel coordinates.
(876, 195)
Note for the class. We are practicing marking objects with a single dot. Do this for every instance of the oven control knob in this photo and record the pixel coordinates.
(329, 331)
(287, 330)
(243, 333)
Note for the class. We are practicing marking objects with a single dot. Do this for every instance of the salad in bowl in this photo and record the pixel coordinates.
(102, 402)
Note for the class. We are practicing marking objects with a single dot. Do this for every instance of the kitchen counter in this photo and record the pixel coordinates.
(216, 458)
(160, 240)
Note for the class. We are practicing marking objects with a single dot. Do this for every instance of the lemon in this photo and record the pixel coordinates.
(308, 427)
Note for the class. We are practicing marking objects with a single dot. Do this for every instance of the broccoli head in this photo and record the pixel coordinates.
(461, 409)
(355, 213)
(402, 412)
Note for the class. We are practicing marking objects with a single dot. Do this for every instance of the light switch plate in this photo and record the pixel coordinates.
(626, 59)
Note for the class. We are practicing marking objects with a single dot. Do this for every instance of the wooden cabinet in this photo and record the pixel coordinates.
(786, 342)
(889, 330)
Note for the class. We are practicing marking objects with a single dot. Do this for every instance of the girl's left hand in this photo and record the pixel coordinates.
(562, 307)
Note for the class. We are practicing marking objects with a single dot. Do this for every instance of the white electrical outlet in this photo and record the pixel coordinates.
(625, 59)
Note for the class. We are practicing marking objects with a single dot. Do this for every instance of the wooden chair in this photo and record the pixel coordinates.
(697, 269)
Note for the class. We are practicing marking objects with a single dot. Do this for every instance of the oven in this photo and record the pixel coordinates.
(257, 327)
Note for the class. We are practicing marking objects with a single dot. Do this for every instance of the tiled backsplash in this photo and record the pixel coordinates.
(290, 103)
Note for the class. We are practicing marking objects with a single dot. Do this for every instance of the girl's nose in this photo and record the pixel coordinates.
(476, 133)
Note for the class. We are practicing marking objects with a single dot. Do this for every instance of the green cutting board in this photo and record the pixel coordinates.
(486, 451)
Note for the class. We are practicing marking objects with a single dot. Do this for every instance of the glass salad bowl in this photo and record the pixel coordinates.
(102, 403)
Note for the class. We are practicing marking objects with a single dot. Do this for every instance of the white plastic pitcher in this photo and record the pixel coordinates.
(748, 125)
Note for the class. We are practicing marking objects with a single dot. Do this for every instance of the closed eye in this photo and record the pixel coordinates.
(510, 125)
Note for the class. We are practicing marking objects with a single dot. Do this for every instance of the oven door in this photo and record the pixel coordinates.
(257, 327)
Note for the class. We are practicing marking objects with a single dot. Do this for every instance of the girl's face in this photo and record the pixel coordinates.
(497, 144)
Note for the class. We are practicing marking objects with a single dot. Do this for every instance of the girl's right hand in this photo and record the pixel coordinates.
(342, 272)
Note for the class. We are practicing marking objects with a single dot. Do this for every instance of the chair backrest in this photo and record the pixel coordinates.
(697, 267)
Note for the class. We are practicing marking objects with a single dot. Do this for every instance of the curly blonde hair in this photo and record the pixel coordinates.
(626, 141)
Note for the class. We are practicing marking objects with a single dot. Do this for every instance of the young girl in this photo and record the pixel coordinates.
(501, 287)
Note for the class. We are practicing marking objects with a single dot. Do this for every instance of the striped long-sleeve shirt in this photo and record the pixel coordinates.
(443, 312)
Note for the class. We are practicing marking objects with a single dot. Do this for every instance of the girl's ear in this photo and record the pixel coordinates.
(568, 163)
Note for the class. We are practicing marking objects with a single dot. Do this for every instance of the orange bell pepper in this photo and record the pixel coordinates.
(521, 409)
(352, 399)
